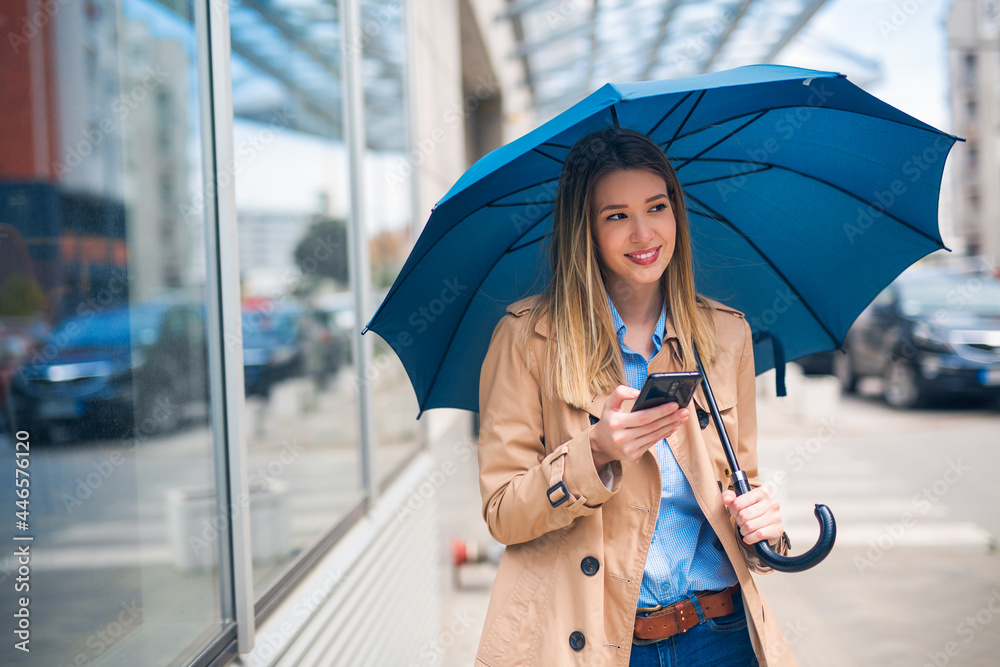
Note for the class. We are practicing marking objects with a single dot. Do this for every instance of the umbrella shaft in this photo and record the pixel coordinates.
(727, 446)
(740, 482)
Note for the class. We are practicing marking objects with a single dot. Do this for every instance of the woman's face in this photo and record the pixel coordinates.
(634, 228)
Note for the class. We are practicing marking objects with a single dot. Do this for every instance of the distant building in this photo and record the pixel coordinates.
(155, 143)
(974, 66)
(267, 245)
(97, 154)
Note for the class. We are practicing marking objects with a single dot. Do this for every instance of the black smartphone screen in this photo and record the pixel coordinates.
(663, 388)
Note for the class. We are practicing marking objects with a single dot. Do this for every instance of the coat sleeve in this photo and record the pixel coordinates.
(746, 444)
(523, 479)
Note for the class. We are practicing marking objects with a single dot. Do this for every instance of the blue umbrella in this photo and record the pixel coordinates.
(806, 197)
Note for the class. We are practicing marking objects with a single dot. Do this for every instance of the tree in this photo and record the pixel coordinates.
(20, 296)
(322, 251)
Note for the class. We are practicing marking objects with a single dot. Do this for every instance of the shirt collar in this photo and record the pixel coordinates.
(658, 333)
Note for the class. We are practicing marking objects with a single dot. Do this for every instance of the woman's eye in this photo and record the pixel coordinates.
(616, 216)
(658, 207)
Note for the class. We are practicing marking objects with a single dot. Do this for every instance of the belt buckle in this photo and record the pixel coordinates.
(644, 642)
(648, 610)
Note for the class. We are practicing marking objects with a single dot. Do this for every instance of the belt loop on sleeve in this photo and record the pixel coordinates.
(557, 492)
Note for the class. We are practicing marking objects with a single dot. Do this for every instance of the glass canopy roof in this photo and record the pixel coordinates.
(571, 47)
(287, 52)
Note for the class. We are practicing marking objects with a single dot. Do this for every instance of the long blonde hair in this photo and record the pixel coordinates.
(586, 359)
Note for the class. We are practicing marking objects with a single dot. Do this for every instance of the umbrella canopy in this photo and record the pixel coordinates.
(806, 196)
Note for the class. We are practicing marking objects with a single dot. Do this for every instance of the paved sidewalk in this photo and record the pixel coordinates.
(920, 592)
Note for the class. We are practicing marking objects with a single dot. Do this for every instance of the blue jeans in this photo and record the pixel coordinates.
(714, 642)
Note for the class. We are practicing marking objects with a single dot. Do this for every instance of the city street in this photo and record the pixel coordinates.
(915, 577)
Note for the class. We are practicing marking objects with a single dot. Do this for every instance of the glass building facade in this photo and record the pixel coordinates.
(183, 389)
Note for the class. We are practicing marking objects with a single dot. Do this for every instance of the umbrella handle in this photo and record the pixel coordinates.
(811, 558)
(827, 524)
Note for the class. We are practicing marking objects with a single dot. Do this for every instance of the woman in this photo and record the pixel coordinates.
(607, 513)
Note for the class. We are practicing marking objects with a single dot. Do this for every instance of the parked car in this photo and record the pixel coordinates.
(127, 369)
(286, 341)
(928, 334)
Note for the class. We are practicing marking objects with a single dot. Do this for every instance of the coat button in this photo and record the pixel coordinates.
(590, 566)
(577, 641)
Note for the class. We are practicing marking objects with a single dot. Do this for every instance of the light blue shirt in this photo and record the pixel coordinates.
(685, 556)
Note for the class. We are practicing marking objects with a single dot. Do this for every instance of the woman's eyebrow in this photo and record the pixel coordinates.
(617, 206)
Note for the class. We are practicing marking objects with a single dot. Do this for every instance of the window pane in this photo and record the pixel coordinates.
(293, 203)
(103, 344)
(388, 202)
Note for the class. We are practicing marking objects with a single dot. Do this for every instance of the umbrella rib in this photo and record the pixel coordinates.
(727, 176)
(526, 187)
(721, 218)
(728, 136)
(437, 371)
(544, 154)
(833, 186)
(669, 113)
(614, 116)
(528, 243)
(806, 106)
(521, 203)
(400, 278)
(684, 122)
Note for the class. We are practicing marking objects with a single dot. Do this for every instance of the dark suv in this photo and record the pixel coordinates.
(927, 334)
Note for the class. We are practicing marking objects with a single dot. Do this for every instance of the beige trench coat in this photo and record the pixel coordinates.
(530, 440)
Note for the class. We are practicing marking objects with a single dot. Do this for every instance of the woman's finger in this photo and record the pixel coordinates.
(638, 444)
(760, 523)
(770, 533)
(755, 510)
(675, 419)
(649, 415)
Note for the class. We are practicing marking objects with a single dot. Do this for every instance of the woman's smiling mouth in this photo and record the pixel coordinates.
(645, 257)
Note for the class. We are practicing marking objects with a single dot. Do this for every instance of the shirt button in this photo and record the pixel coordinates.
(590, 566)
(577, 641)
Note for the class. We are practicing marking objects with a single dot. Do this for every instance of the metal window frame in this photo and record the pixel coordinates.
(352, 52)
(240, 612)
(223, 316)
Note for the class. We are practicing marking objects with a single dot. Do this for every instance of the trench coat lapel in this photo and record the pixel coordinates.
(665, 361)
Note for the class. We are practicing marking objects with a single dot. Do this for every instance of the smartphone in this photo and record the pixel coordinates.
(663, 388)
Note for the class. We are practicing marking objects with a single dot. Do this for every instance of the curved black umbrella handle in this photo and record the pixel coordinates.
(827, 536)
(827, 525)
(811, 558)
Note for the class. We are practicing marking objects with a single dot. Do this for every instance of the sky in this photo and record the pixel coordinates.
(907, 36)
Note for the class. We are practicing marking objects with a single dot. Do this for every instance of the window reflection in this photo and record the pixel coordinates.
(397, 431)
(103, 347)
(293, 203)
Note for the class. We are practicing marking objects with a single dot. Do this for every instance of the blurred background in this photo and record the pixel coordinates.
(201, 205)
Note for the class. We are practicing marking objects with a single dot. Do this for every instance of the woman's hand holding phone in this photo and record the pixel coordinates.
(621, 435)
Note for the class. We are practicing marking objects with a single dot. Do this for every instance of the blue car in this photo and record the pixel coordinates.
(278, 344)
(135, 370)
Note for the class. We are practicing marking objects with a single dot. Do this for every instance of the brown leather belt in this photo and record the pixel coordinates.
(681, 616)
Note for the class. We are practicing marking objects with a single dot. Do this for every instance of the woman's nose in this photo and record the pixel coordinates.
(641, 230)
